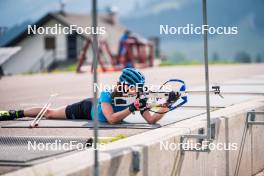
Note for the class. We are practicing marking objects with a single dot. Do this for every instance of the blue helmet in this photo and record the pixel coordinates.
(132, 77)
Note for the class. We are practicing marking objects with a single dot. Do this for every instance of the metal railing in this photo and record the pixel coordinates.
(250, 121)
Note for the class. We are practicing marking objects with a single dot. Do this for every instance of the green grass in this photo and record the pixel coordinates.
(70, 68)
(183, 62)
(195, 62)
(222, 61)
(34, 73)
(112, 139)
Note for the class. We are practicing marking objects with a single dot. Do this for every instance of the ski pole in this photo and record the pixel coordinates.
(42, 112)
(40, 117)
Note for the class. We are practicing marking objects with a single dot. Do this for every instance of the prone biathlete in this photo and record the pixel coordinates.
(107, 110)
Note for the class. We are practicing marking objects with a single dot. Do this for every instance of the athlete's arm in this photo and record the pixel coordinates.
(114, 117)
(152, 119)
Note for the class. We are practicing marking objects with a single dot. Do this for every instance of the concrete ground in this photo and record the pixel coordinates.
(24, 91)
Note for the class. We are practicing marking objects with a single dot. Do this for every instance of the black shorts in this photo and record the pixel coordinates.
(80, 110)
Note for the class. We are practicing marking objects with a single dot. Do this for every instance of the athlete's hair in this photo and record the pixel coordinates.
(116, 92)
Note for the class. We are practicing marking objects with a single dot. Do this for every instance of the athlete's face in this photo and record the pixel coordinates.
(129, 89)
(132, 90)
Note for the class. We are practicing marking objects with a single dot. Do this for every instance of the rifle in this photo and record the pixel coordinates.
(172, 99)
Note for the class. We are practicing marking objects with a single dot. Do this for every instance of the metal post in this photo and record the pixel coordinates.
(205, 36)
(95, 93)
(207, 136)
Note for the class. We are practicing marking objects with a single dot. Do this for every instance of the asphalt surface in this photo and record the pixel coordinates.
(25, 91)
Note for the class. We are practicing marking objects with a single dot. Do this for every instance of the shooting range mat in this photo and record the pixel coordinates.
(132, 122)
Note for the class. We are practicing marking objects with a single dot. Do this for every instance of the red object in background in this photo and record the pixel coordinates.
(136, 52)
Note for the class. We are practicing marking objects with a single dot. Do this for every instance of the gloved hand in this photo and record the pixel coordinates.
(173, 97)
(137, 105)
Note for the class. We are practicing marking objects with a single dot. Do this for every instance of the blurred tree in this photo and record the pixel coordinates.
(259, 58)
(243, 57)
(215, 57)
(177, 57)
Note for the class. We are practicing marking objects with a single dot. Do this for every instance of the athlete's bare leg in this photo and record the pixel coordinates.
(58, 113)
